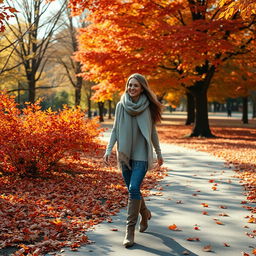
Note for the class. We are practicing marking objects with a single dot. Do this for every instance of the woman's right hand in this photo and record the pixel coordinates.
(106, 159)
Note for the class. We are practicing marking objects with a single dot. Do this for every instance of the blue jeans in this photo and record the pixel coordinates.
(134, 177)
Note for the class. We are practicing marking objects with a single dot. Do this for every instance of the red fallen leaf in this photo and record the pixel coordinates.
(114, 229)
(254, 251)
(224, 214)
(204, 204)
(196, 228)
(207, 248)
(198, 191)
(214, 188)
(84, 239)
(174, 227)
(250, 235)
(246, 226)
(75, 245)
(193, 239)
(194, 194)
(243, 202)
(226, 245)
(223, 207)
(211, 181)
(205, 213)
(219, 222)
(245, 254)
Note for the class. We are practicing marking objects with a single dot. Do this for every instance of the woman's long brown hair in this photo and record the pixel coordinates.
(155, 106)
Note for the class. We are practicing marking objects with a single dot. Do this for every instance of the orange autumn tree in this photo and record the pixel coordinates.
(246, 8)
(187, 37)
(33, 141)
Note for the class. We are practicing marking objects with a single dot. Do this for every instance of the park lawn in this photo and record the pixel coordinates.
(44, 214)
(235, 143)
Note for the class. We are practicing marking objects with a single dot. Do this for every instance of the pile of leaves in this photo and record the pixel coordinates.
(234, 143)
(46, 213)
(33, 141)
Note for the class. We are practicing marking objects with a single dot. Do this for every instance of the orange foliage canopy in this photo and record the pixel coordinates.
(155, 37)
(33, 141)
(236, 79)
(246, 8)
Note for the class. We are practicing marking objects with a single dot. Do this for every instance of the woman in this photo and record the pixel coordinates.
(134, 131)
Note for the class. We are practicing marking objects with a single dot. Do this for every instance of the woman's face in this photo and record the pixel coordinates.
(134, 89)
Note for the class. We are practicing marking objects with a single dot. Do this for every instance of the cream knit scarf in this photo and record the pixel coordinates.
(129, 109)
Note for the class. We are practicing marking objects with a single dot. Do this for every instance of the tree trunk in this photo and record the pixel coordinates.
(78, 88)
(31, 88)
(89, 107)
(245, 110)
(89, 102)
(190, 109)
(101, 111)
(253, 109)
(201, 127)
(109, 109)
(19, 87)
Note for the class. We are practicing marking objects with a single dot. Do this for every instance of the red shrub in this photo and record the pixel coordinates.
(33, 141)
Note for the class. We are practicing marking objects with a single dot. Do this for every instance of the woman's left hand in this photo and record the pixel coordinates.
(160, 161)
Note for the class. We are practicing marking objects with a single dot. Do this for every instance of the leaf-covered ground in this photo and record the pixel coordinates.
(235, 143)
(47, 213)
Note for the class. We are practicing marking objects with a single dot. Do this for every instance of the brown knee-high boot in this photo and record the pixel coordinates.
(145, 216)
(133, 212)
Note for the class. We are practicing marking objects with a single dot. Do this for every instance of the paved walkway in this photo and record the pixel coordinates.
(192, 176)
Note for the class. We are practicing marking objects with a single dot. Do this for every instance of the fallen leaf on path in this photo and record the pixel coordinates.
(226, 245)
(185, 252)
(245, 254)
(174, 227)
(214, 188)
(250, 235)
(224, 214)
(207, 248)
(114, 229)
(211, 181)
(193, 239)
(179, 202)
(219, 222)
(205, 213)
(252, 220)
(204, 205)
(254, 251)
(223, 207)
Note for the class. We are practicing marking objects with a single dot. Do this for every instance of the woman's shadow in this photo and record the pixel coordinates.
(175, 248)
